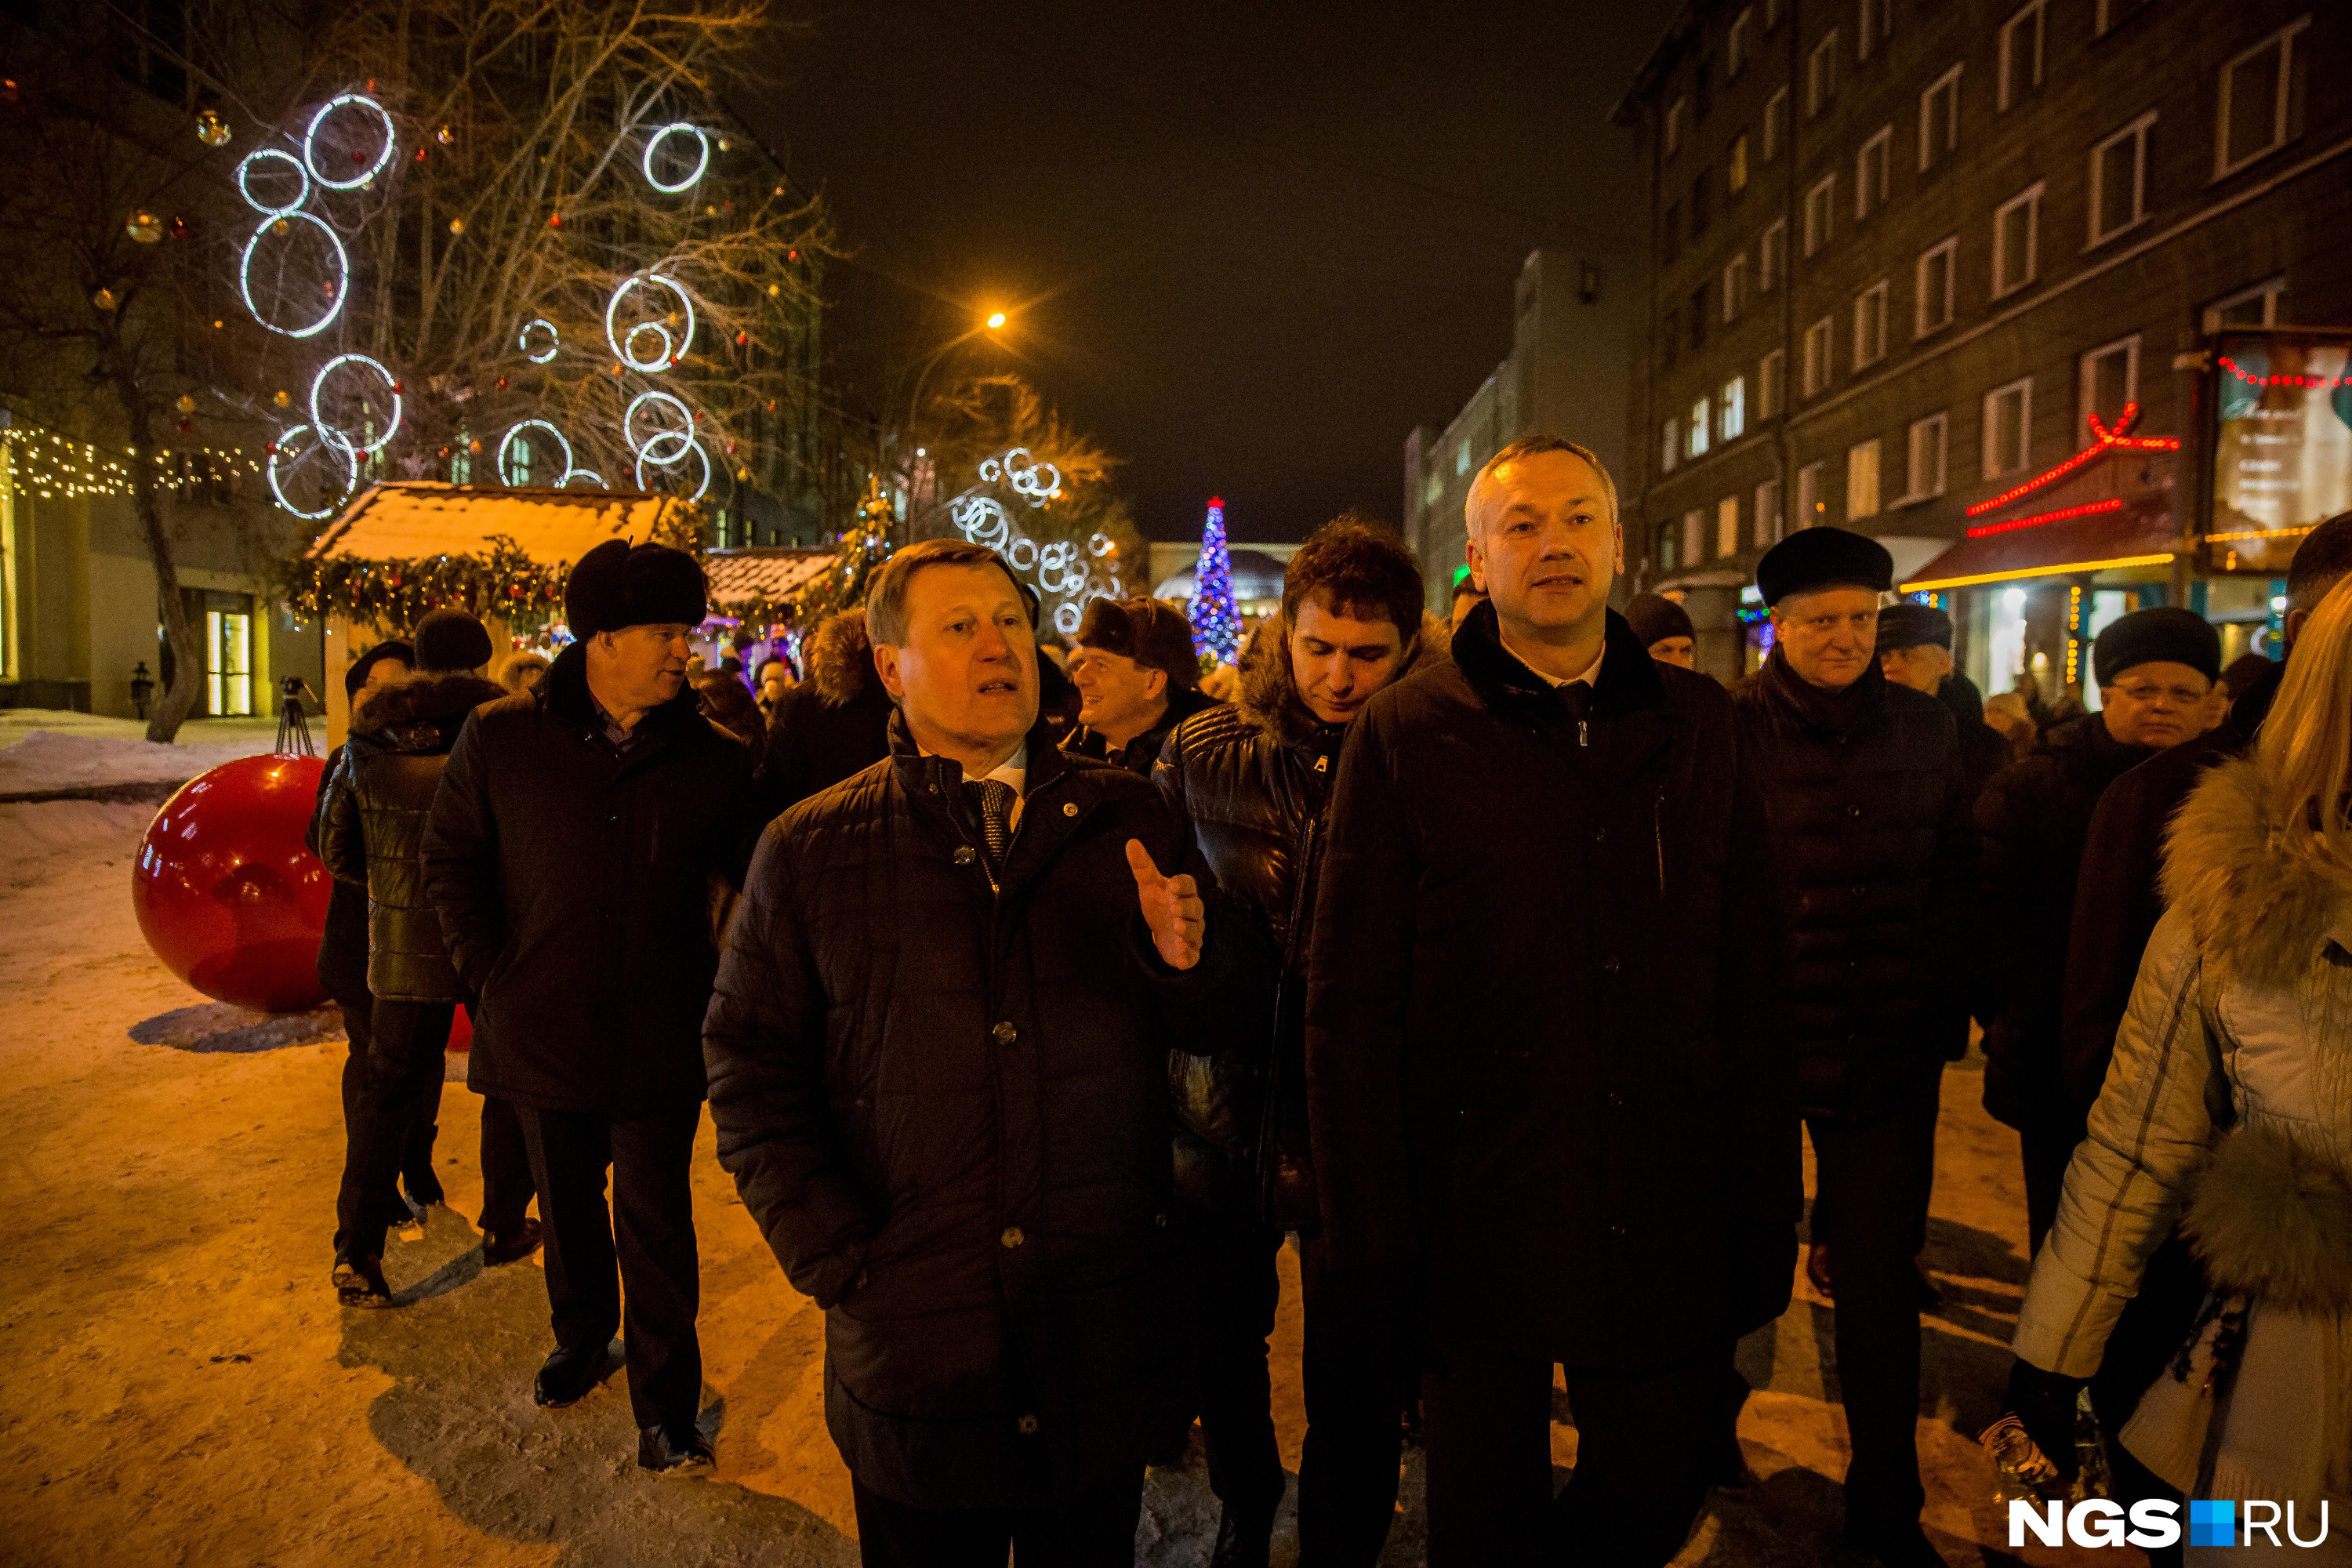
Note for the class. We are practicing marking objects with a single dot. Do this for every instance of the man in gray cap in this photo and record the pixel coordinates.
(1137, 679)
(1915, 649)
(1863, 786)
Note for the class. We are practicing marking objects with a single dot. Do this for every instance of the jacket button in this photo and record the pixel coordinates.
(964, 855)
(1608, 965)
(1012, 1236)
(1069, 808)
(1617, 1230)
(1616, 1103)
(1027, 1425)
(1600, 835)
(1004, 1034)
(1853, 810)
(1160, 1220)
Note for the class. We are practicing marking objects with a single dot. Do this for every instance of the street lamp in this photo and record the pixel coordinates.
(994, 322)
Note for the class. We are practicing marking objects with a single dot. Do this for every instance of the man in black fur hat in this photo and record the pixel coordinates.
(568, 853)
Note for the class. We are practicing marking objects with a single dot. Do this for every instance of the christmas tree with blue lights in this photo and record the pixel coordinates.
(1216, 619)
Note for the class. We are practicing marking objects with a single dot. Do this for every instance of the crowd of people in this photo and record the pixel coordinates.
(1494, 961)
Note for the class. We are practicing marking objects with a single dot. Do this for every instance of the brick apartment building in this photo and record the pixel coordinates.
(1907, 251)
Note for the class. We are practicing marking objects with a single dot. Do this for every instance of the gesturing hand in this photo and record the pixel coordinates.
(1172, 908)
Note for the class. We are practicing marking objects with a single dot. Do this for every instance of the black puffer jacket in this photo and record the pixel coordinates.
(572, 879)
(1869, 813)
(1252, 778)
(831, 725)
(1541, 1059)
(374, 832)
(1142, 753)
(944, 1100)
(344, 944)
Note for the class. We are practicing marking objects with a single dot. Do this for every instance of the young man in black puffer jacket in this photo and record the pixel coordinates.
(1253, 779)
(373, 838)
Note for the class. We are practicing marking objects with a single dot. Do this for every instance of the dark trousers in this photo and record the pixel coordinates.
(652, 1219)
(1361, 1375)
(1642, 1440)
(1095, 1530)
(357, 1036)
(2153, 1326)
(1235, 1290)
(2046, 1149)
(1874, 1179)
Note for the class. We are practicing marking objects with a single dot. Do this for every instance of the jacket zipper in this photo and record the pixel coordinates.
(1658, 829)
(1268, 1163)
(1583, 732)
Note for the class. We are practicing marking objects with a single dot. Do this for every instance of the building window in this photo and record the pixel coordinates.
(2110, 382)
(1676, 113)
(1462, 458)
(1819, 338)
(1697, 433)
(1924, 471)
(1813, 506)
(1726, 526)
(1734, 46)
(1870, 325)
(1698, 316)
(1940, 119)
(2020, 50)
(461, 459)
(1870, 173)
(1768, 513)
(1737, 169)
(1701, 188)
(1933, 310)
(1734, 287)
(1670, 239)
(1775, 122)
(2262, 100)
(1821, 73)
(1861, 479)
(1773, 11)
(1669, 335)
(1667, 534)
(1818, 201)
(2119, 179)
(1877, 25)
(1772, 255)
(1733, 414)
(1694, 536)
(1670, 450)
(2008, 427)
(2016, 240)
(2113, 12)
(1771, 384)
(2263, 305)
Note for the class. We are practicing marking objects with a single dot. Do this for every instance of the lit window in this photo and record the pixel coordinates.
(1819, 203)
(1821, 73)
(1669, 534)
(1772, 255)
(1734, 287)
(2008, 427)
(1695, 434)
(461, 460)
(1768, 513)
(1726, 526)
(1819, 338)
(1940, 119)
(1861, 479)
(2119, 179)
(1694, 536)
(1877, 24)
(1771, 384)
(1870, 173)
(1733, 414)
(1462, 458)
(1924, 475)
(2262, 100)
(2016, 239)
(1933, 310)
(1670, 448)
(2020, 51)
(1773, 13)
(1870, 325)
(2110, 381)
(1775, 122)
(1813, 506)
(1676, 112)
(1735, 48)
(1735, 170)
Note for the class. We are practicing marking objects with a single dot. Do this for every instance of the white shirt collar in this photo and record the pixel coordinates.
(1591, 676)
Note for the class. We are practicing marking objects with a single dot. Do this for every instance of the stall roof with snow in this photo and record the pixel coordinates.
(412, 519)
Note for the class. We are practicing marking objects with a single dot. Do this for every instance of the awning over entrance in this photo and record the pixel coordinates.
(2100, 537)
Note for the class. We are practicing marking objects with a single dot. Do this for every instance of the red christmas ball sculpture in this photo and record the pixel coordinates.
(227, 894)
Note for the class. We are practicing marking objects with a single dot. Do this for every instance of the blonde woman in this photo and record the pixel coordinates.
(2228, 1112)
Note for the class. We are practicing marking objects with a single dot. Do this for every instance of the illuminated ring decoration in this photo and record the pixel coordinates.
(1100, 544)
(702, 162)
(565, 483)
(554, 340)
(351, 459)
(504, 477)
(266, 209)
(310, 136)
(1066, 619)
(1022, 554)
(1038, 482)
(319, 419)
(645, 448)
(691, 446)
(342, 275)
(981, 519)
(670, 352)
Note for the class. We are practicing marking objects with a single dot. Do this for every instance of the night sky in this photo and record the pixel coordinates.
(1247, 246)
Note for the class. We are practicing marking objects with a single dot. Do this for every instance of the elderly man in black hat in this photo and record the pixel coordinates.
(569, 853)
(1664, 629)
(1863, 783)
(1915, 649)
(1137, 679)
(2155, 669)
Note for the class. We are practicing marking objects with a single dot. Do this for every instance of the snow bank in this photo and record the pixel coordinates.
(40, 841)
(47, 760)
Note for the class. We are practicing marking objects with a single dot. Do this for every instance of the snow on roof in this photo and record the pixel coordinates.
(742, 576)
(408, 519)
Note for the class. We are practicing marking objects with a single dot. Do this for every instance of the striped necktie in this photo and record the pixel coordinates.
(992, 800)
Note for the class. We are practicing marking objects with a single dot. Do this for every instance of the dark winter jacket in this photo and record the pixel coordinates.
(831, 725)
(344, 945)
(2116, 897)
(1870, 823)
(1252, 778)
(2032, 822)
(1984, 751)
(374, 832)
(943, 1098)
(572, 881)
(1541, 1065)
(1142, 753)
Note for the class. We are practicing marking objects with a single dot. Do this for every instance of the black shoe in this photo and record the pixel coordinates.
(424, 1191)
(513, 1245)
(359, 1282)
(675, 1449)
(1898, 1546)
(1243, 1542)
(567, 1377)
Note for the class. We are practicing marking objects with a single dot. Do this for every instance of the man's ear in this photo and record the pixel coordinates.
(1153, 692)
(2294, 620)
(886, 666)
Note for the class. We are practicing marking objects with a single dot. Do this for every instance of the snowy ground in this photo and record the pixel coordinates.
(183, 1389)
(45, 749)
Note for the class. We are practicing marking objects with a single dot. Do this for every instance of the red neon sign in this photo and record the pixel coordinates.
(2106, 440)
(2232, 366)
(2114, 503)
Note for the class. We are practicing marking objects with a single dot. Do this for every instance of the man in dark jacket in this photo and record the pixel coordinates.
(2155, 669)
(1137, 679)
(1915, 649)
(1252, 778)
(569, 853)
(1548, 1099)
(938, 1064)
(400, 739)
(831, 725)
(1869, 809)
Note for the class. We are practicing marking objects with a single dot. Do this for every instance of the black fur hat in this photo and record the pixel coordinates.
(619, 584)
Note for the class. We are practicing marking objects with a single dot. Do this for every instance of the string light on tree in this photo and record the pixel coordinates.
(701, 160)
(1216, 619)
(524, 342)
(624, 346)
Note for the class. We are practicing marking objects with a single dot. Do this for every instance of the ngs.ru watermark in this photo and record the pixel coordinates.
(2095, 1521)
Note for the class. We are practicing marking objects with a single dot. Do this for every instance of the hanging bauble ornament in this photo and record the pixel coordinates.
(741, 338)
(186, 405)
(555, 220)
(710, 211)
(730, 449)
(475, 448)
(444, 452)
(180, 228)
(457, 226)
(443, 136)
(502, 383)
(281, 398)
(280, 227)
(772, 405)
(187, 426)
(422, 154)
(780, 190)
(212, 130)
(774, 290)
(8, 91)
(218, 324)
(743, 473)
(104, 299)
(145, 228)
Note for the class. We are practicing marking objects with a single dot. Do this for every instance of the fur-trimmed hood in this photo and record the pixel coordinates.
(1269, 694)
(840, 656)
(422, 713)
(2263, 915)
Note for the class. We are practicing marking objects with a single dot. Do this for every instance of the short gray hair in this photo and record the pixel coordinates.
(886, 602)
(1528, 446)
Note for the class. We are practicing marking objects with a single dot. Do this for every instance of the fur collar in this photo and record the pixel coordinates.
(2264, 915)
(1268, 698)
(424, 700)
(840, 658)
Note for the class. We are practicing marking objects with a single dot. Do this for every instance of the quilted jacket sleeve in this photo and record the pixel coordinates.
(341, 847)
(2151, 1135)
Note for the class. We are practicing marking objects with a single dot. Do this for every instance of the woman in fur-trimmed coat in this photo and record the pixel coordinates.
(2229, 1111)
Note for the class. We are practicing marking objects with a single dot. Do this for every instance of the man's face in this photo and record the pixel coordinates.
(2156, 704)
(1680, 652)
(1827, 635)
(1338, 661)
(1116, 694)
(1544, 545)
(968, 670)
(641, 666)
(772, 680)
(1922, 669)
